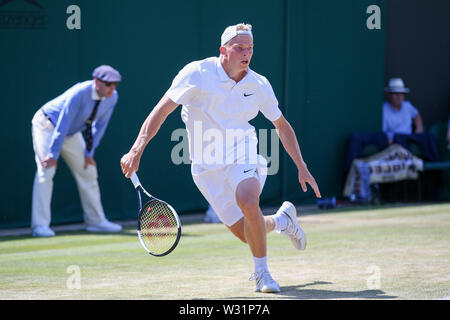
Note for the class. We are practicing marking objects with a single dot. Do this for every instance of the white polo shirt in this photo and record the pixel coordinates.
(217, 110)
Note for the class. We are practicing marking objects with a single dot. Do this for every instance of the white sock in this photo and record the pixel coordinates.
(260, 264)
(281, 222)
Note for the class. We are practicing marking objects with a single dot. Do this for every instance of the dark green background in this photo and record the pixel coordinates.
(326, 68)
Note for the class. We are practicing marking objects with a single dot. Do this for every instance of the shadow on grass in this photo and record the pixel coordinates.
(299, 292)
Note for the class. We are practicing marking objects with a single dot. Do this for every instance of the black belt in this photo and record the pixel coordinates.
(48, 117)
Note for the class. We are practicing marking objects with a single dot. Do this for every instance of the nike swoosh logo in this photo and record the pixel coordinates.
(245, 171)
(289, 218)
(248, 95)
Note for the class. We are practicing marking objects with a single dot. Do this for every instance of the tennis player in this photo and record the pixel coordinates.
(219, 96)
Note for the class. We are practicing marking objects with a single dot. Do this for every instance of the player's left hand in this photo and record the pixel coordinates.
(304, 177)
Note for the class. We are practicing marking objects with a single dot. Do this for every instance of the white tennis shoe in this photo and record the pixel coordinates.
(293, 230)
(42, 231)
(265, 282)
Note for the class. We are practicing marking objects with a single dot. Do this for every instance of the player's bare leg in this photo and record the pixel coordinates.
(252, 229)
(247, 198)
(238, 228)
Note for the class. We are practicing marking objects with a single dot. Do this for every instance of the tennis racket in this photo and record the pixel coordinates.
(159, 227)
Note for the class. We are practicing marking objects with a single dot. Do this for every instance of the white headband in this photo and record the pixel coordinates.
(231, 32)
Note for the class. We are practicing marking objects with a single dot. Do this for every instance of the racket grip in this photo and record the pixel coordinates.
(134, 178)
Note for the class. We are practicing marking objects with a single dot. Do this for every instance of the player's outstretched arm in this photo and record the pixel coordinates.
(130, 161)
(290, 143)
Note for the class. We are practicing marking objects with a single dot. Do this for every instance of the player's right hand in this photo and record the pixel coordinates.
(130, 163)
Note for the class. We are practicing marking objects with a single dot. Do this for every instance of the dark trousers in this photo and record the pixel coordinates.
(357, 142)
(424, 140)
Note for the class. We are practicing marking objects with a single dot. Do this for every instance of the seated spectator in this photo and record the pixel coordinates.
(400, 117)
(398, 114)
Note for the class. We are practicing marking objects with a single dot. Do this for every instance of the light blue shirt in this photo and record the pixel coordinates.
(69, 112)
(398, 121)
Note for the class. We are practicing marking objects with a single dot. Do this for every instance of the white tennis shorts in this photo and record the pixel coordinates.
(218, 186)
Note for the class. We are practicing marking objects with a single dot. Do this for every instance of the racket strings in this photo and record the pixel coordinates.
(158, 227)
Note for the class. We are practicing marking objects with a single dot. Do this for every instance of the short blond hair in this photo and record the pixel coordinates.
(244, 26)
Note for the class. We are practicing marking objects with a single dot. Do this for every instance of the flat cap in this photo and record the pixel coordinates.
(107, 74)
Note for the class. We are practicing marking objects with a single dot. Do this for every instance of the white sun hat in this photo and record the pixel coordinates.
(396, 85)
(232, 31)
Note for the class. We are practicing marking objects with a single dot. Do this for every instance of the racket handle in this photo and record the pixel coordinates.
(134, 178)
